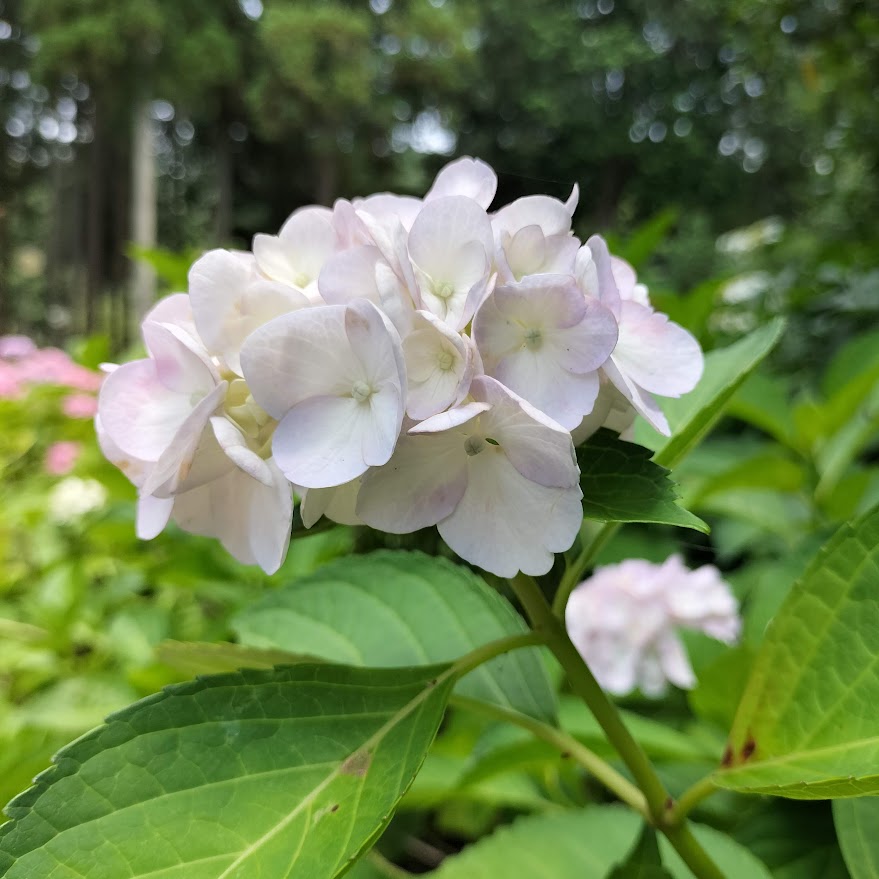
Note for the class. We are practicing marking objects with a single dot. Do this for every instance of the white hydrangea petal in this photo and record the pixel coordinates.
(349, 227)
(587, 345)
(530, 252)
(550, 214)
(438, 362)
(465, 176)
(456, 417)
(594, 272)
(388, 205)
(174, 309)
(420, 485)
(524, 251)
(573, 200)
(644, 404)
(658, 355)
(450, 243)
(193, 457)
(182, 364)
(350, 274)
(611, 410)
(299, 355)
(674, 662)
(320, 442)
(152, 515)
(540, 379)
(382, 429)
(651, 678)
(230, 301)
(625, 277)
(376, 346)
(338, 504)
(235, 446)
(506, 523)
(296, 254)
(250, 519)
(140, 415)
(135, 469)
(538, 447)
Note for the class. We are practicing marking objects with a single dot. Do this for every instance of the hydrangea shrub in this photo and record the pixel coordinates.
(398, 364)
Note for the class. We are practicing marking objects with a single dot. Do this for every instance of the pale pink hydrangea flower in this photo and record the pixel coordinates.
(396, 361)
(625, 618)
(80, 406)
(61, 457)
(16, 347)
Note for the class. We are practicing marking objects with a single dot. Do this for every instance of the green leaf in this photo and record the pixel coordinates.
(794, 838)
(857, 828)
(692, 416)
(721, 684)
(583, 844)
(644, 862)
(394, 608)
(204, 658)
(806, 726)
(258, 773)
(764, 401)
(621, 484)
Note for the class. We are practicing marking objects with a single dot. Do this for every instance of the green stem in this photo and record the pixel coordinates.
(689, 799)
(583, 683)
(566, 744)
(494, 648)
(692, 853)
(575, 570)
(586, 687)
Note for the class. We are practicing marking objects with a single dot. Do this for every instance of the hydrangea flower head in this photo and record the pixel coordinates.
(625, 621)
(394, 361)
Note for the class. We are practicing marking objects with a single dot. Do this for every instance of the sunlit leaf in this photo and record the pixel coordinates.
(258, 773)
(806, 727)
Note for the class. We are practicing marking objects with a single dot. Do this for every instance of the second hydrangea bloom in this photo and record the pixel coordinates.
(401, 362)
(625, 621)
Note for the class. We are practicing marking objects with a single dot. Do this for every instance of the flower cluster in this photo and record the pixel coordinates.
(401, 362)
(624, 621)
(23, 365)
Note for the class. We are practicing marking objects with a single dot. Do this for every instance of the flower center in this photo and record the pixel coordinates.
(445, 360)
(444, 290)
(533, 339)
(361, 391)
(473, 445)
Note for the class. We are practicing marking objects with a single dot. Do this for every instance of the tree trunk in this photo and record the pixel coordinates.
(6, 316)
(223, 215)
(95, 205)
(325, 185)
(144, 229)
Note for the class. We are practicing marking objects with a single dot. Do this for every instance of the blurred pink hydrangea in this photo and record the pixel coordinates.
(60, 457)
(16, 347)
(80, 406)
(624, 620)
(23, 364)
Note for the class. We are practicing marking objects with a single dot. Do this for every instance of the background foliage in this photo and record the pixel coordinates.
(728, 149)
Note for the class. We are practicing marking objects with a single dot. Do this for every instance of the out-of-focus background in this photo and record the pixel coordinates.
(160, 127)
(727, 148)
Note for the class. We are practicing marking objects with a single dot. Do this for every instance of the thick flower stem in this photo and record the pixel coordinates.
(583, 683)
(602, 771)
(692, 853)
